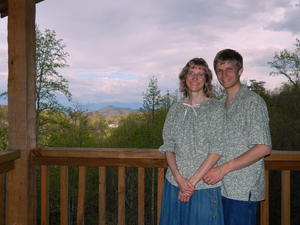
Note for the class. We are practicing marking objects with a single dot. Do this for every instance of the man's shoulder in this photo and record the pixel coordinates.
(252, 97)
(216, 105)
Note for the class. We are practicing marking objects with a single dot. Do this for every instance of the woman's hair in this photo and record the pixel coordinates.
(207, 89)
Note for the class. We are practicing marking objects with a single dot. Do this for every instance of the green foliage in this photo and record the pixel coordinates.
(3, 127)
(72, 129)
(285, 118)
(287, 64)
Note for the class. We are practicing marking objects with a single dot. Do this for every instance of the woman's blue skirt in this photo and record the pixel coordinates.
(203, 208)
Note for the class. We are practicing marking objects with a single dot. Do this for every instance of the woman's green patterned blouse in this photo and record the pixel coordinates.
(193, 132)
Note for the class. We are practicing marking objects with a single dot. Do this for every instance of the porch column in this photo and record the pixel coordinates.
(21, 194)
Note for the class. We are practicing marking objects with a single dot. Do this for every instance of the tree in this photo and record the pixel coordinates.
(218, 91)
(50, 57)
(151, 102)
(152, 98)
(285, 118)
(287, 63)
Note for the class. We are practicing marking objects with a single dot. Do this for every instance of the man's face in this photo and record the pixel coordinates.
(228, 74)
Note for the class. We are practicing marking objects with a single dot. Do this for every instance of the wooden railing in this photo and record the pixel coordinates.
(284, 161)
(7, 163)
(143, 158)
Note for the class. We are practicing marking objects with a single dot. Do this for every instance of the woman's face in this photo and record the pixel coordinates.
(195, 78)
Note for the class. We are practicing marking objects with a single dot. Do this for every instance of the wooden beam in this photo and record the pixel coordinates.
(21, 196)
(4, 7)
(100, 157)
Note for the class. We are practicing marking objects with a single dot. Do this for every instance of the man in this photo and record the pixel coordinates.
(247, 141)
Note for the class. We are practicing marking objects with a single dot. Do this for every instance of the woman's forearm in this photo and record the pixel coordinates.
(183, 183)
(172, 164)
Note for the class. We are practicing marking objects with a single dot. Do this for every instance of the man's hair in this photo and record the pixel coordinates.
(228, 55)
(207, 89)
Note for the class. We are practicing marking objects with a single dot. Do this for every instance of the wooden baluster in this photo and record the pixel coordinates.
(160, 186)
(81, 195)
(2, 199)
(285, 197)
(141, 196)
(64, 195)
(102, 195)
(264, 205)
(44, 195)
(121, 196)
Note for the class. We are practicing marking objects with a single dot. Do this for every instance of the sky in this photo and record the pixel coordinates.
(115, 47)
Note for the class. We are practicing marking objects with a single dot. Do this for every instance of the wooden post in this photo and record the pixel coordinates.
(121, 195)
(64, 195)
(141, 196)
(2, 199)
(264, 205)
(21, 196)
(102, 196)
(285, 197)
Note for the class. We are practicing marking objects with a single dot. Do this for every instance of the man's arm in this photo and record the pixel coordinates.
(251, 156)
(207, 164)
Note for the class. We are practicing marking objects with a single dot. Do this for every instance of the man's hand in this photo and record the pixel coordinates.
(214, 175)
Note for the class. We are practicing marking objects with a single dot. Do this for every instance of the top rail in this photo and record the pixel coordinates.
(278, 160)
(126, 157)
(7, 160)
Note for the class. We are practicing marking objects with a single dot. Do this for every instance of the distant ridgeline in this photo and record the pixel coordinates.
(112, 110)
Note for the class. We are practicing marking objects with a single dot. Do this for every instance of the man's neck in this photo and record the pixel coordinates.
(231, 93)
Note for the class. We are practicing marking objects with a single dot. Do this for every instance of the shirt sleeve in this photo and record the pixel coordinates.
(258, 123)
(168, 134)
(216, 134)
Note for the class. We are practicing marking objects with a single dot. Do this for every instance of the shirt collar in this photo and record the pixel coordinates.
(243, 90)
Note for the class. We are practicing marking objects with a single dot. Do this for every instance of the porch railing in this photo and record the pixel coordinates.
(284, 161)
(7, 163)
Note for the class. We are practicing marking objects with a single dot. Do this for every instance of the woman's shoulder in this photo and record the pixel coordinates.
(175, 107)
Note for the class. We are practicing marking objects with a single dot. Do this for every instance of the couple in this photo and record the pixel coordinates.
(214, 148)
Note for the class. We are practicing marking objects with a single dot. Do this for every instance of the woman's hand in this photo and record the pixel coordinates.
(185, 185)
(183, 197)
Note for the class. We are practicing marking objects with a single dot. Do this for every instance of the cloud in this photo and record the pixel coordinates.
(287, 20)
(115, 47)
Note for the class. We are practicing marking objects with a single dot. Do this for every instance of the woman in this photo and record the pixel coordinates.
(192, 146)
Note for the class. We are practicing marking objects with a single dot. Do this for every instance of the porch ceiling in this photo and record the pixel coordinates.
(4, 7)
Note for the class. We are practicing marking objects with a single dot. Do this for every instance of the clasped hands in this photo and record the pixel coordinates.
(187, 187)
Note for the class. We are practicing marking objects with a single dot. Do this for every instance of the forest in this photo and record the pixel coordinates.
(60, 126)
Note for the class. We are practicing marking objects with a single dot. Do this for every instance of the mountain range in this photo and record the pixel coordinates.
(127, 105)
(112, 110)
